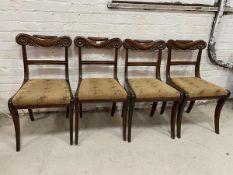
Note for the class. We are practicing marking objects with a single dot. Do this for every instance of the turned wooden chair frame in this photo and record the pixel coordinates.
(98, 43)
(199, 45)
(41, 41)
(147, 45)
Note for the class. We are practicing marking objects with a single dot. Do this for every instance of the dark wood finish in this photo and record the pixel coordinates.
(67, 112)
(31, 114)
(40, 41)
(154, 106)
(199, 46)
(163, 107)
(113, 109)
(190, 106)
(218, 109)
(146, 45)
(98, 43)
(81, 110)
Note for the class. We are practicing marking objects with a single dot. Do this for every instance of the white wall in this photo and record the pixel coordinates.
(93, 18)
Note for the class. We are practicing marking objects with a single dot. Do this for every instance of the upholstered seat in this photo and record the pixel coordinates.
(197, 87)
(43, 92)
(101, 89)
(152, 88)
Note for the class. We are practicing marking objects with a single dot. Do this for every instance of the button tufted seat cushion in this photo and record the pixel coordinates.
(43, 92)
(197, 87)
(101, 89)
(152, 88)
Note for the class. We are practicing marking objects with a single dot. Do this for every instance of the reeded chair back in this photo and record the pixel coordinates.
(193, 88)
(39, 93)
(99, 89)
(152, 89)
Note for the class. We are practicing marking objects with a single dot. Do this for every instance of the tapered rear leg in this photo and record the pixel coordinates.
(154, 105)
(71, 111)
(173, 118)
(31, 114)
(163, 107)
(218, 109)
(113, 109)
(15, 117)
(190, 106)
(77, 105)
(81, 110)
(67, 112)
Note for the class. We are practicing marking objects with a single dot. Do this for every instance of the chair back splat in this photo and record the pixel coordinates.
(185, 45)
(97, 43)
(143, 45)
(43, 41)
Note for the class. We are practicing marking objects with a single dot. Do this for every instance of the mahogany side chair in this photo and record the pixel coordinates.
(92, 90)
(149, 89)
(42, 93)
(193, 88)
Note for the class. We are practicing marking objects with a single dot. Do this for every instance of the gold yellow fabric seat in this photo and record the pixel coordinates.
(101, 89)
(152, 88)
(43, 92)
(197, 87)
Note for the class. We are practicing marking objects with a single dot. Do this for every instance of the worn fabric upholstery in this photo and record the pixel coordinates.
(152, 88)
(43, 92)
(197, 87)
(101, 89)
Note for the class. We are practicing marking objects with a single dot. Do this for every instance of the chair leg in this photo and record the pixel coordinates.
(67, 111)
(15, 117)
(130, 115)
(218, 109)
(31, 114)
(173, 118)
(163, 107)
(77, 105)
(71, 111)
(124, 117)
(81, 110)
(154, 105)
(179, 117)
(113, 108)
(190, 106)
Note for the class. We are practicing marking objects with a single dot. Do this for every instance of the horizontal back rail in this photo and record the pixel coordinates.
(99, 62)
(44, 62)
(198, 45)
(43, 41)
(97, 42)
(183, 63)
(144, 44)
(186, 44)
(142, 64)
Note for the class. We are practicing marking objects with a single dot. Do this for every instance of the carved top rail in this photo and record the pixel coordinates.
(144, 44)
(98, 42)
(186, 44)
(43, 41)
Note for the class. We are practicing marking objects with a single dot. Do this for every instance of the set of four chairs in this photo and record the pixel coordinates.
(45, 93)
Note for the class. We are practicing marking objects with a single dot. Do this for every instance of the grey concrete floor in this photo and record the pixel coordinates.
(46, 150)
